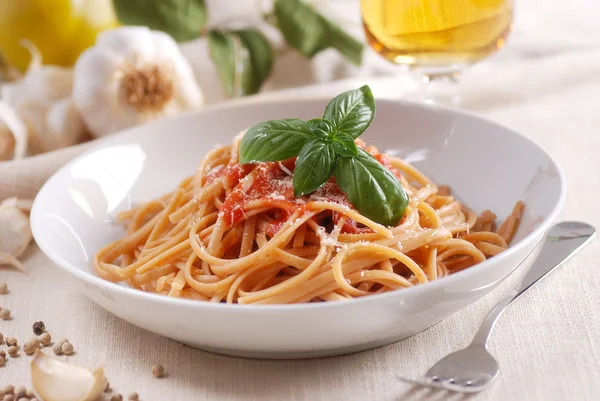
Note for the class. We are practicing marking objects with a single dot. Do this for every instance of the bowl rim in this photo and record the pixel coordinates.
(130, 133)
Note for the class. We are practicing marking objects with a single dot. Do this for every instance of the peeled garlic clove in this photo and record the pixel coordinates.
(16, 127)
(56, 380)
(15, 232)
(6, 259)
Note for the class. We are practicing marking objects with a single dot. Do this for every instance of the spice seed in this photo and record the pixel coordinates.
(39, 328)
(3, 288)
(30, 393)
(8, 389)
(57, 349)
(20, 392)
(13, 351)
(4, 314)
(9, 397)
(117, 397)
(133, 397)
(158, 370)
(2, 360)
(45, 339)
(62, 341)
(67, 348)
(1, 338)
(10, 341)
(30, 347)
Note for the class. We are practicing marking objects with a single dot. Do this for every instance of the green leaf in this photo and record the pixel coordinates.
(344, 145)
(182, 19)
(274, 140)
(244, 59)
(352, 112)
(310, 32)
(315, 165)
(321, 128)
(373, 189)
(337, 38)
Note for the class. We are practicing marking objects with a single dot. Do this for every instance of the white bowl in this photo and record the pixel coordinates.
(487, 166)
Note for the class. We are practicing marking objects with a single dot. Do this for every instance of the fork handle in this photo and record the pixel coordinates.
(563, 240)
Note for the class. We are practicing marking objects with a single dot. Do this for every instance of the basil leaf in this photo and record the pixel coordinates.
(244, 59)
(315, 165)
(344, 145)
(352, 112)
(321, 128)
(182, 19)
(373, 189)
(274, 140)
(347, 45)
(301, 26)
(310, 32)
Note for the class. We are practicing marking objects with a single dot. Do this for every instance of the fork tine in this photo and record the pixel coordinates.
(443, 385)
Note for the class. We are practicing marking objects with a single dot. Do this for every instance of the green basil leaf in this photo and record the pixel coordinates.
(352, 112)
(182, 19)
(315, 165)
(344, 145)
(244, 59)
(274, 140)
(301, 26)
(310, 32)
(373, 189)
(321, 128)
(347, 45)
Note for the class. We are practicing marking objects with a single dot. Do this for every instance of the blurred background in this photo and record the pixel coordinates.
(236, 48)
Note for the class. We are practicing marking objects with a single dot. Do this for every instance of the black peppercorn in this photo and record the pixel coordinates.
(39, 328)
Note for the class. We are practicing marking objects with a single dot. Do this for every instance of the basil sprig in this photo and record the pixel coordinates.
(325, 147)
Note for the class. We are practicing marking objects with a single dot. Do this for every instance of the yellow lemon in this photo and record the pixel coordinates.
(61, 29)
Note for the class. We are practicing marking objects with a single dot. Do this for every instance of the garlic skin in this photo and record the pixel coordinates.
(56, 380)
(132, 75)
(36, 108)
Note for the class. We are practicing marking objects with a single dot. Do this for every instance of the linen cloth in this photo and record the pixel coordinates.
(546, 84)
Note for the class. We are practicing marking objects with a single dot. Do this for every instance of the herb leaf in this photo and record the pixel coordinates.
(315, 165)
(373, 189)
(310, 32)
(274, 140)
(352, 112)
(182, 19)
(244, 59)
(344, 144)
(320, 128)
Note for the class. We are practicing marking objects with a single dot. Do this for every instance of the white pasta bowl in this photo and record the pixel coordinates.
(488, 167)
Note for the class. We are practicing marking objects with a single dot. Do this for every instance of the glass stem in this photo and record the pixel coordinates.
(441, 88)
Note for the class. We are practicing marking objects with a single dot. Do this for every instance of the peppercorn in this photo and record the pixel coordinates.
(8, 389)
(30, 347)
(117, 397)
(10, 341)
(158, 370)
(57, 349)
(4, 314)
(2, 360)
(1, 338)
(67, 348)
(3, 288)
(30, 394)
(9, 397)
(62, 341)
(13, 351)
(133, 397)
(45, 339)
(39, 328)
(20, 392)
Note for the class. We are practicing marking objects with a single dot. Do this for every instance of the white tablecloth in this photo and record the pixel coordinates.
(545, 84)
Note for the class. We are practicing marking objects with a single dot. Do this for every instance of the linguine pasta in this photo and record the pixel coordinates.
(235, 233)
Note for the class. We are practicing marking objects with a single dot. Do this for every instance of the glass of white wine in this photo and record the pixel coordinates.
(437, 38)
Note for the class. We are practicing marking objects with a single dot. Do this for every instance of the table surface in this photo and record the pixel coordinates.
(546, 84)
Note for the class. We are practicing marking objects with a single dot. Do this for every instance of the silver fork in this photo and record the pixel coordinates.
(472, 369)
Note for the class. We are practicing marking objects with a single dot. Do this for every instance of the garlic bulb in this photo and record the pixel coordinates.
(132, 75)
(56, 380)
(39, 104)
(15, 232)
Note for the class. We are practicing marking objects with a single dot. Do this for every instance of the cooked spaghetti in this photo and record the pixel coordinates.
(235, 233)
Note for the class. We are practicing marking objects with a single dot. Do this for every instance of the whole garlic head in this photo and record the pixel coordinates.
(132, 75)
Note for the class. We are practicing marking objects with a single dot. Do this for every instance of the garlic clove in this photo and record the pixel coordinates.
(64, 126)
(6, 259)
(15, 232)
(22, 204)
(7, 143)
(56, 380)
(17, 128)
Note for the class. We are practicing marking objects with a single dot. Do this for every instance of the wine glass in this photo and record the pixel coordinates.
(438, 39)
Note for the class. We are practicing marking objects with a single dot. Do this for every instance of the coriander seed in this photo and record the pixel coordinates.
(4, 314)
(67, 348)
(39, 328)
(158, 370)
(10, 341)
(13, 350)
(3, 288)
(117, 397)
(45, 339)
(30, 347)
(133, 397)
(57, 349)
